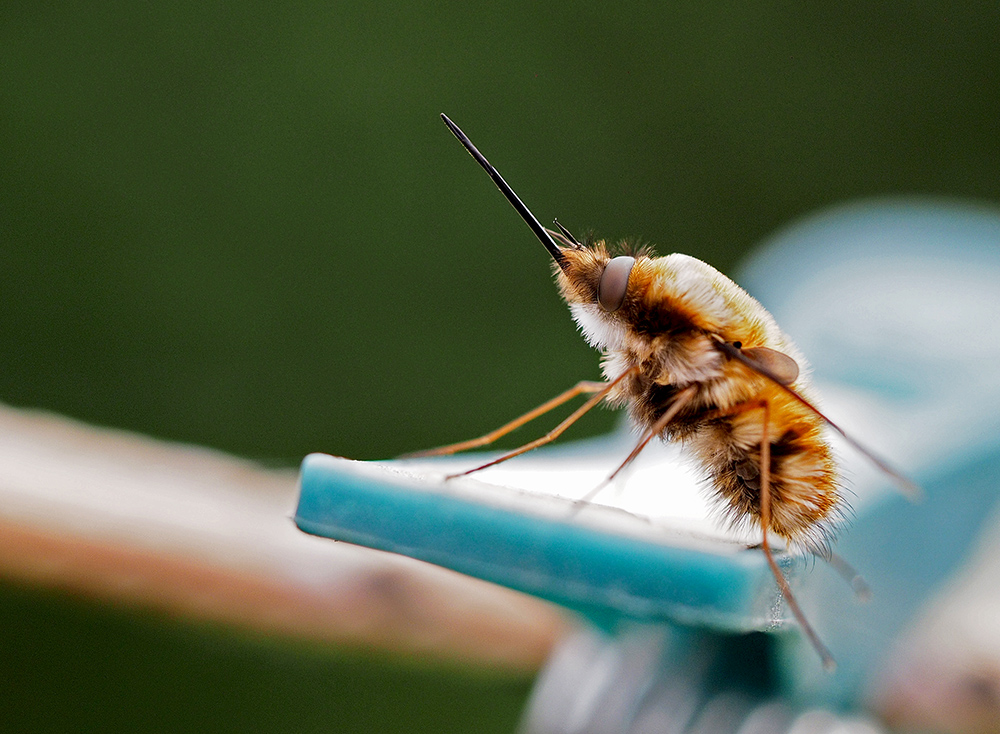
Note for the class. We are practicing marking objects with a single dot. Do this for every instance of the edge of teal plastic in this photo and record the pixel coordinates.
(608, 576)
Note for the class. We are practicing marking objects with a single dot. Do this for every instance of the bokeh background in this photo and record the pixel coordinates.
(245, 226)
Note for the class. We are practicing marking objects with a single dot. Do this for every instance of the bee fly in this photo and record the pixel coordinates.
(696, 359)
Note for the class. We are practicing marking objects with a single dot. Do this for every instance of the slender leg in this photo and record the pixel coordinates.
(558, 430)
(580, 388)
(765, 520)
(682, 399)
(850, 575)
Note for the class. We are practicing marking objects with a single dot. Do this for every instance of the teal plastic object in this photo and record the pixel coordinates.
(895, 304)
(604, 563)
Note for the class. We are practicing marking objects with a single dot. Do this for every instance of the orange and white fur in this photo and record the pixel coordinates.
(695, 359)
(666, 335)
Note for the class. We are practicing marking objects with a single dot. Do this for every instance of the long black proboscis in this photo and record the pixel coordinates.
(507, 191)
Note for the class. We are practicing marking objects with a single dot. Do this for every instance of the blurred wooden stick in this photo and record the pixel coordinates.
(199, 534)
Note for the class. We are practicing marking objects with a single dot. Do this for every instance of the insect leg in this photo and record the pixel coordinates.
(682, 399)
(765, 520)
(847, 572)
(911, 489)
(581, 388)
(605, 389)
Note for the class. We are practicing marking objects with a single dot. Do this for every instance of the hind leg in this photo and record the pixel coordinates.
(682, 399)
(765, 523)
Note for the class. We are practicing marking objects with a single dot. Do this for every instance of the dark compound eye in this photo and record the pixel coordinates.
(614, 283)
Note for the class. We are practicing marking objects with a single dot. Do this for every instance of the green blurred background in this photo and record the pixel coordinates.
(245, 226)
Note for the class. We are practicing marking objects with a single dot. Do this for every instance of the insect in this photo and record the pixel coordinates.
(695, 359)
